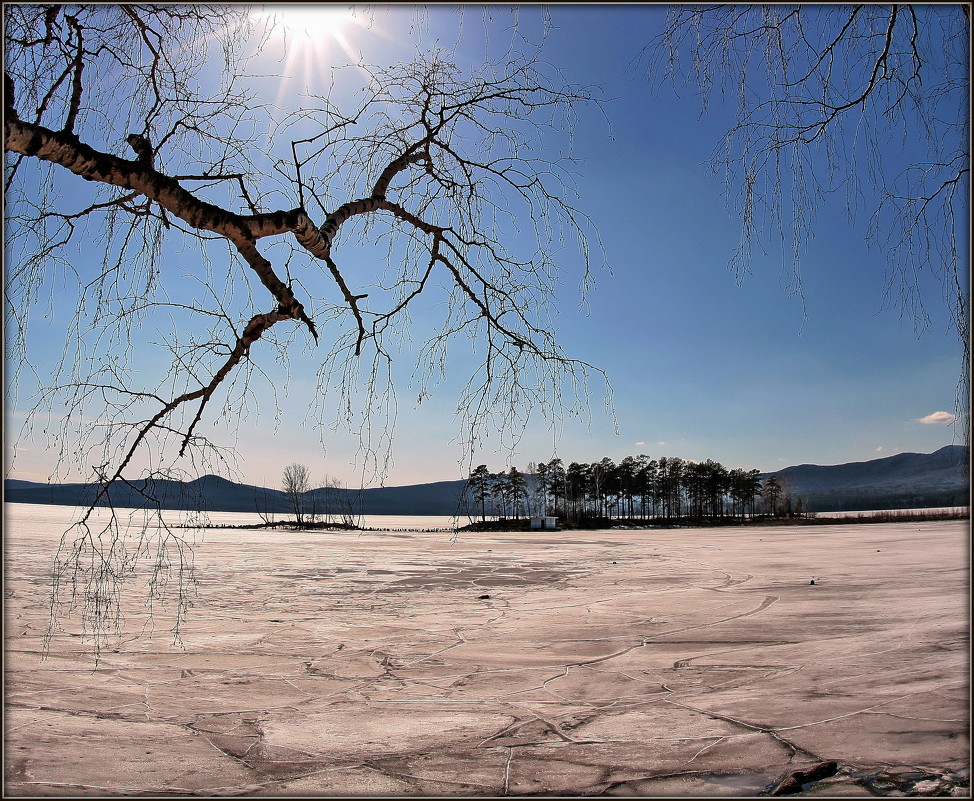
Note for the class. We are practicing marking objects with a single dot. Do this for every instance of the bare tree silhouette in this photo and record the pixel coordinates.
(295, 483)
(209, 230)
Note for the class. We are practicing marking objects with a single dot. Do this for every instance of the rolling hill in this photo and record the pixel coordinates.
(903, 481)
(215, 494)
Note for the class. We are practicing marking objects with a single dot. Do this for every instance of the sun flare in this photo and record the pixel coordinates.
(312, 21)
(312, 34)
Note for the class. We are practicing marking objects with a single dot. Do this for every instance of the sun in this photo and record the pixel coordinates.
(312, 34)
(316, 22)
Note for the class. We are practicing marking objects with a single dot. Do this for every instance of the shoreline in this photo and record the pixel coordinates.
(522, 525)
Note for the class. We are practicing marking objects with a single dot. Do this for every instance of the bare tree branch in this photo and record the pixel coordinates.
(207, 239)
(835, 99)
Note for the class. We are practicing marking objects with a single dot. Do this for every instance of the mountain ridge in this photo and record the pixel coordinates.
(904, 480)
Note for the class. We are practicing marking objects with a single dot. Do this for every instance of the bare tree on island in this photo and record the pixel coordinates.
(217, 247)
(296, 484)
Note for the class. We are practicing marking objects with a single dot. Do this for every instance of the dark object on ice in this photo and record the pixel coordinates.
(483, 597)
(812, 581)
(788, 786)
(913, 782)
(793, 783)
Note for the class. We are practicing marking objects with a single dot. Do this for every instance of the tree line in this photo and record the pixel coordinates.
(636, 489)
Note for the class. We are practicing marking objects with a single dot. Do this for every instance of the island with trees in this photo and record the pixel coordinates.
(637, 490)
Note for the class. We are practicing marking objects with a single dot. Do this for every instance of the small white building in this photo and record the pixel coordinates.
(544, 523)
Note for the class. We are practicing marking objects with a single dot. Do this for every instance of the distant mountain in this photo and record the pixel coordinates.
(907, 480)
(438, 498)
(903, 481)
(215, 494)
(208, 493)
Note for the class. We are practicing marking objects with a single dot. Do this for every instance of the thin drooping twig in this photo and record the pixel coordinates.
(433, 163)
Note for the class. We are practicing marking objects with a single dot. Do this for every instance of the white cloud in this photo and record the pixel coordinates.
(661, 443)
(879, 449)
(640, 443)
(937, 417)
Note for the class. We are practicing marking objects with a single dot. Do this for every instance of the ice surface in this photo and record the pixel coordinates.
(610, 662)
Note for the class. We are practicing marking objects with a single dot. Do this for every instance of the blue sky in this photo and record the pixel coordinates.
(702, 365)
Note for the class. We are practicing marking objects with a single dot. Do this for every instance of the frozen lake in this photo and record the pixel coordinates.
(652, 663)
(59, 515)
